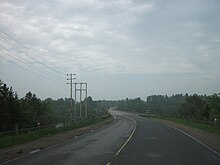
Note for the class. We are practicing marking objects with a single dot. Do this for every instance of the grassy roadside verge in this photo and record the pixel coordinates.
(6, 141)
(193, 124)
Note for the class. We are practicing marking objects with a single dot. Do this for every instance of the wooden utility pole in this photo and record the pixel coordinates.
(75, 103)
(81, 89)
(86, 113)
(71, 94)
(80, 104)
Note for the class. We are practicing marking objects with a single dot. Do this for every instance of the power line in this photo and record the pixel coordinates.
(35, 52)
(24, 47)
(26, 60)
(18, 48)
(26, 63)
(28, 69)
(25, 53)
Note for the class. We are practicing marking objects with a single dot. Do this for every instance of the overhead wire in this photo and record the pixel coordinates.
(21, 59)
(19, 65)
(25, 49)
(24, 60)
(35, 52)
(24, 63)
(28, 70)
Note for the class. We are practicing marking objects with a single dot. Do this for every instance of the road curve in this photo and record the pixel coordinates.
(95, 148)
(155, 143)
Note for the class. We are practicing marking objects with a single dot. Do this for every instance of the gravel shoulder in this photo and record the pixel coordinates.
(210, 139)
(26, 148)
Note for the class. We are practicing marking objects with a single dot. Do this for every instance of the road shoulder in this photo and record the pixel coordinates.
(21, 150)
(210, 139)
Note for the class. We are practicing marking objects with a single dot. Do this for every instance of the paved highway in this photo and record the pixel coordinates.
(95, 148)
(128, 140)
(157, 144)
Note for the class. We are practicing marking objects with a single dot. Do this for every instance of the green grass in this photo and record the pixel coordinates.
(190, 123)
(6, 141)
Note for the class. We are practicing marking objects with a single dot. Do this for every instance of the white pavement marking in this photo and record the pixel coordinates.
(152, 138)
(203, 144)
(66, 141)
(12, 160)
(114, 117)
(32, 152)
(129, 138)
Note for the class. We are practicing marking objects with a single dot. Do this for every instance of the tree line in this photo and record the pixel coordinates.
(201, 107)
(30, 111)
(26, 112)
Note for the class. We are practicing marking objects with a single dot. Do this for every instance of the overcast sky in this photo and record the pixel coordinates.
(121, 48)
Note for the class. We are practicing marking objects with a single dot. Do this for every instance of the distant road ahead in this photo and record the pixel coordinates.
(157, 144)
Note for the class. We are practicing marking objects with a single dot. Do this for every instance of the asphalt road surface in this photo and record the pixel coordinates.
(95, 148)
(157, 144)
(128, 140)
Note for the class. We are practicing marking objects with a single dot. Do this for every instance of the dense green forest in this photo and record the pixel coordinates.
(30, 111)
(201, 107)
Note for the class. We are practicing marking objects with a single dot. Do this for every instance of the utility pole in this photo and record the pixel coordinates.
(81, 89)
(80, 105)
(86, 103)
(75, 103)
(71, 95)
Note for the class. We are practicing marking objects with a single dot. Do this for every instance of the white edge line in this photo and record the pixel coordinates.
(32, 152)
(12, 160)
(203, 144)
(129, 138)
(114, 117)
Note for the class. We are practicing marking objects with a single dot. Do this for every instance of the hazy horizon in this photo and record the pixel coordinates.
(121, 48)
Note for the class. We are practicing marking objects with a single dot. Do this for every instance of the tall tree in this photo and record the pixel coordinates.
(214, 103)
(195, 107)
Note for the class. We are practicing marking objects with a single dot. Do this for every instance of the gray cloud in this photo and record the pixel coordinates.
(121, 37)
